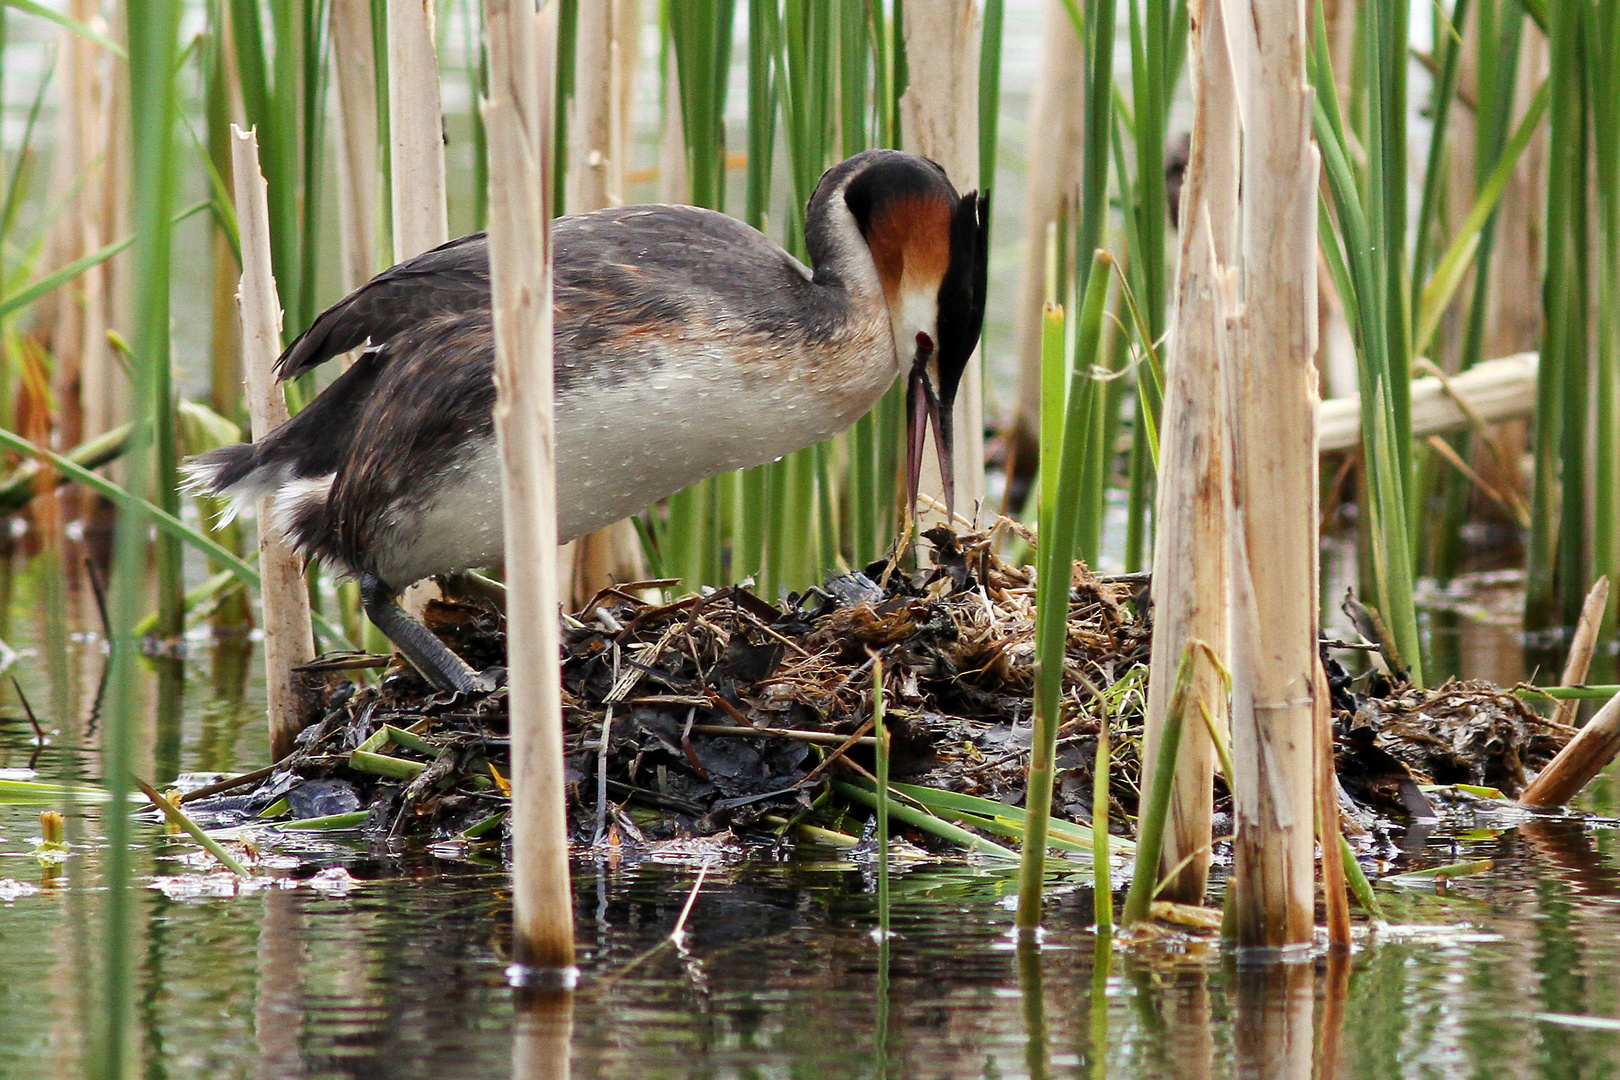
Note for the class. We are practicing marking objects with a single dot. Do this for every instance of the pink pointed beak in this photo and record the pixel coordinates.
(922, 408)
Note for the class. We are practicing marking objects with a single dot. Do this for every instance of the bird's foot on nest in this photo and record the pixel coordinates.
(421, 646)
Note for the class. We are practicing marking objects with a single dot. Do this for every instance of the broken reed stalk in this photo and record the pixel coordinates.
(1328, 833)
(1190, 505)
(1273, 528)
(1150, 830)
(1063, 452)
(518, 117)
(1493, 390)
(1582, 758)
(940, 121)
(289, 639)
(1581, 646)
(178, 817)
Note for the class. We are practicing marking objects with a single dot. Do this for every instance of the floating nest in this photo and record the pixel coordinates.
(727, 712)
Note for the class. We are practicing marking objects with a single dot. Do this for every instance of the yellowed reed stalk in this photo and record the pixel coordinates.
(1495, 390)
(1189, 555)
(288, 637)
(522, 60)
(1582, 758)
(626, 66)
(85, 382)
(416, 130)
(1581, 646)
(416, 141)
(354, 77)
(596, 179)
(1273, 525)
(1335, 900)
(1058, 113)
(594, 171)
(673, 184)
(940, 120)
(1513, 308)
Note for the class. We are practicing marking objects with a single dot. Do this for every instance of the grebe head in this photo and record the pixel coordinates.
(928, 246)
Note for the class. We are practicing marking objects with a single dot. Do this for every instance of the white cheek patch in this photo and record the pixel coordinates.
(915, 311)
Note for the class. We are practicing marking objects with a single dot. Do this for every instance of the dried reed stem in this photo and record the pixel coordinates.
(1273, 400)
(1334, 897)
(416, 154)
(289, 639)
(596, 143)
(1190, 545)
(415, 130)
(1495, 390)
(354, 72)
(518, 117)
(84, 370)
(1593, 747)
(940, 120)
(1058, 114)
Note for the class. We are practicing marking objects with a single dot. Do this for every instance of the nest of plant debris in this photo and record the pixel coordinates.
(725, 711)
(1464, 732)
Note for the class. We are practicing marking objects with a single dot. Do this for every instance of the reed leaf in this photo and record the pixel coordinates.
(71, 25)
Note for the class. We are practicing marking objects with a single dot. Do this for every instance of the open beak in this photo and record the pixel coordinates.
(924, 405)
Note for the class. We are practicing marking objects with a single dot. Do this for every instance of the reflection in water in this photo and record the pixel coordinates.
(542, 1035)
(397, 970)
(1335, 992)
(278, 1009)
(1030, 986)
(1097, 1030)
(1272, 1034)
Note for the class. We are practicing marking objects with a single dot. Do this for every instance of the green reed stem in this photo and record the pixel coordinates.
(1156, 805)
(990, 92)
(1099, 75)
(1555, 560)
(179, 818)
(1603, 33)
(1499, 30)
(153, 29)
(1102, 899)
(1057, 542)
(881, 731)
(385, 142)
(1371, 282)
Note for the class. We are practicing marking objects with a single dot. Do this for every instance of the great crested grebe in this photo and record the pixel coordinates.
(687, 345)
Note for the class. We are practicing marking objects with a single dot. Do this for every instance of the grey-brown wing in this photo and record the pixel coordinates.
(672, 272)
(451, 279)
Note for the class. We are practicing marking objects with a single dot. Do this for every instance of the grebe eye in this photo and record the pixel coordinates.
(925, 344)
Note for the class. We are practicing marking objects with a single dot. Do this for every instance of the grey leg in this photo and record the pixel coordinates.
(426, 653)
